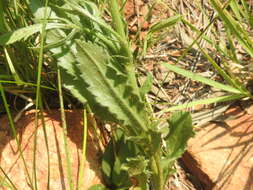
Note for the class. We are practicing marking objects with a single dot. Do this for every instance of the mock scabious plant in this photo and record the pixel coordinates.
(98, 68)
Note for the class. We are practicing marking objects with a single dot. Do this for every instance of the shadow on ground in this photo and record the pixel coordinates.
(221, 153)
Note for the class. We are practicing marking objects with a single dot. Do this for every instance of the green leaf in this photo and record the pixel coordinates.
(165, 23)
(107, 163)
(60, 42)
(12, 68)
(180, 125)
(95, 19)
(97, 187)
(24, 33)
(146, 87)
(123, 150)
(180, 130)
(109, 87)
(65, 56)
(136, 166)
(120, 177)
(38, 10)
(204, 101)
(118, 151)
(199, 78)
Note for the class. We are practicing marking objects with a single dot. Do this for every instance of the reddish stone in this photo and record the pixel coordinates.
(13, 166)
(221, 154)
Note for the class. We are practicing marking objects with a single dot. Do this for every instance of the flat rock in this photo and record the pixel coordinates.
(221, 154)
(13, 166)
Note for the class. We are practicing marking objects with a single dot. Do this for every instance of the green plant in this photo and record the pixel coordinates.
(96, 65)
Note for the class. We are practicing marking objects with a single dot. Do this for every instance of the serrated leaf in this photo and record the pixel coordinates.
(109, 88)
(180, 130)
(24, 33)
(180, 125)
(136, 166)
(38, 10)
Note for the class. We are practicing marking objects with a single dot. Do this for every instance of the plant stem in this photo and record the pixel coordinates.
(160, 172)
(38, 93)
(64, 126)
(157, 173)
(83, 160)
(154, 177)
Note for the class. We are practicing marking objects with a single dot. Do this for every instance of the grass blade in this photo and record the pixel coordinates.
(235, 28)
(165, 23)
(81, 169)
(199, 78)
(236, 9)
(248, 13)
(204, 101)
(27, 84)
(64, 126)
(12, 68)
